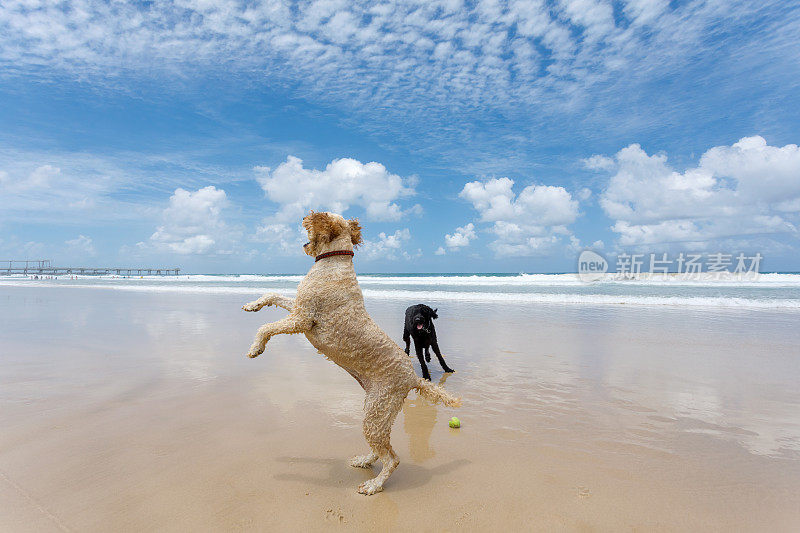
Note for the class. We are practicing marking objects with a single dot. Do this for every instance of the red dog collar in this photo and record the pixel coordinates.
(331, 254)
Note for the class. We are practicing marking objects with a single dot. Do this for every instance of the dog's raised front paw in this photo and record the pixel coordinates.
(252, 306)
(255, 351)
(370, 487)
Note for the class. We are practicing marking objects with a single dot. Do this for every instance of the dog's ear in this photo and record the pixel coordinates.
(433, 314)
(321, 226)
(355, 231)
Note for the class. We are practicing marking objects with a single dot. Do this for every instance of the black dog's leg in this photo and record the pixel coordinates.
(440, 358)
(428, 354)
(418, 348)
(407, 339)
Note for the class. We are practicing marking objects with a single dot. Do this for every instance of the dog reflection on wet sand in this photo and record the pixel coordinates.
(419, 419)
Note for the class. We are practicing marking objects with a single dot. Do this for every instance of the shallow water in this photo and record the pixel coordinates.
(137, 409)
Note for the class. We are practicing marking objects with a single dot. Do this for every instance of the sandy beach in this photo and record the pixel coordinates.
(138, 411)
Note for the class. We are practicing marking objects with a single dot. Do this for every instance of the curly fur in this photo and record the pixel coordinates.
(329, 310)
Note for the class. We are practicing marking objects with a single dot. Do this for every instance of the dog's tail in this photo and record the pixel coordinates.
(436, 394)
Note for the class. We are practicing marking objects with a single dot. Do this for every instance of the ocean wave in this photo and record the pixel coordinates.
(474, 280)
(411, 294)
(586, 299)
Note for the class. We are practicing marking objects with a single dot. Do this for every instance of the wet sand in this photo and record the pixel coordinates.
(136, 411)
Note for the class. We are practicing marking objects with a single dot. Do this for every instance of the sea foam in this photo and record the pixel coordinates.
(769, 291)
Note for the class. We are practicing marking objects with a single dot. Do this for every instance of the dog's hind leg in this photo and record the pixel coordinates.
(381, 407)
(440, 358)
(293, 323)
(270, 299)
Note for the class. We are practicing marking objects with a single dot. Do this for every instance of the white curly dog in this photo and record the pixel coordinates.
(329, 310)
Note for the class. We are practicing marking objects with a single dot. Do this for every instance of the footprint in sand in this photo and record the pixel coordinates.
(334, 515)
(584, 492)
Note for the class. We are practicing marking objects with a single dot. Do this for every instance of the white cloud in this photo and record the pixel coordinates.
(12, 248)
(400, 58)
(596, 17)
(440, 251)
(644, 11)
(410, 256)
(39, 178)
(598, 162)
(460, 237)
(193, 223)
(530, 223)
(51, 187)
(281, 237)
(342, 184)
(541, 205)
(748, 188)
(82, 244)
(32, 190)
(387, 246)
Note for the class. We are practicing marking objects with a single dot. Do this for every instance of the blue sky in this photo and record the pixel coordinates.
(466, 136)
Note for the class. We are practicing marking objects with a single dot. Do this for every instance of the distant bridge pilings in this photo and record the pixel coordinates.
(43, 267)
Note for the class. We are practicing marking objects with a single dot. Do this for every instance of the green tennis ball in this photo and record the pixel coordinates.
(455, 422)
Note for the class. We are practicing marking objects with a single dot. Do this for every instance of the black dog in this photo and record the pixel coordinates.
(419, 324)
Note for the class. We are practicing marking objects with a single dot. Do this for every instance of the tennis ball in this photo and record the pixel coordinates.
(455, 422)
